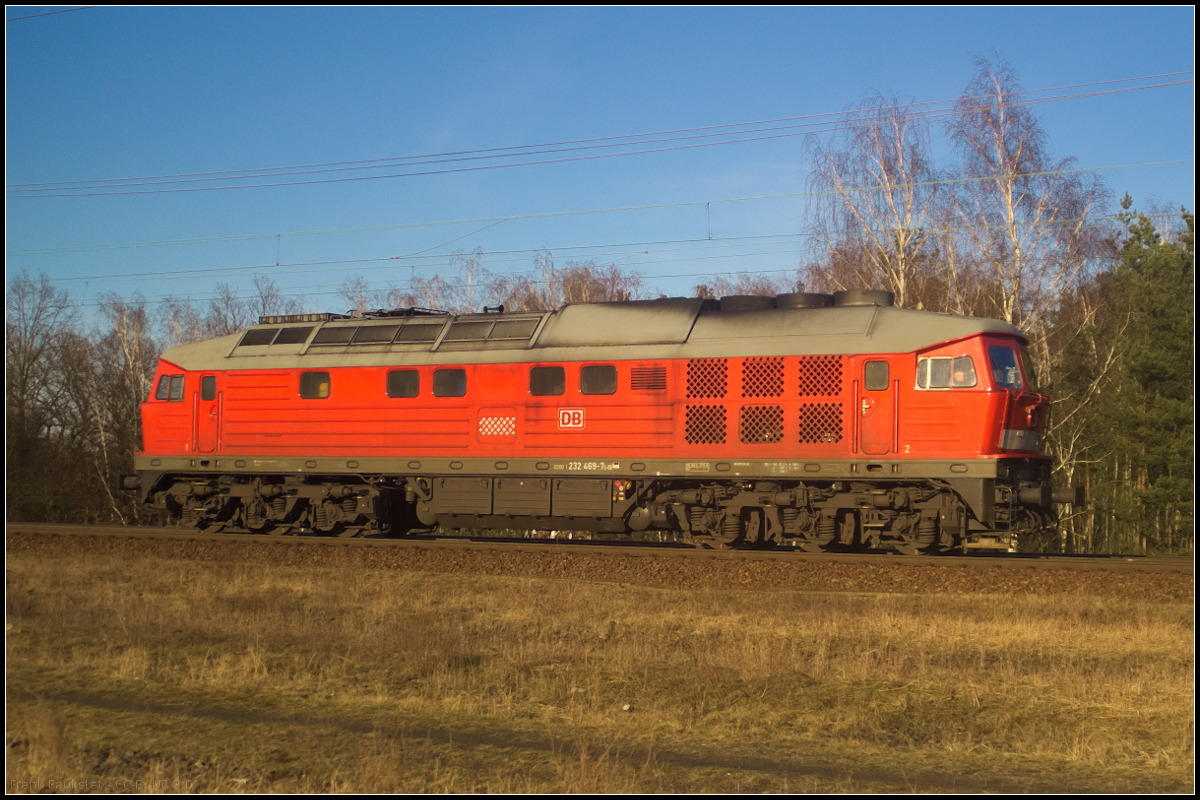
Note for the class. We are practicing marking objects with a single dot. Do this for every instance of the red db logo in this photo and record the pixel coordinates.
(570, 418)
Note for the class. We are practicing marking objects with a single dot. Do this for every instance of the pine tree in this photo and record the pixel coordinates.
(1152, 425)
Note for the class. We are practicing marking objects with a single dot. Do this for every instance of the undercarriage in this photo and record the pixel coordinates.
(905, 516)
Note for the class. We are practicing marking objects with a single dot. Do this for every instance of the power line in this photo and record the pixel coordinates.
(50, 13)
(489, 221)
(318, 166)
(509, 150)
(702, 244)
(120, 186)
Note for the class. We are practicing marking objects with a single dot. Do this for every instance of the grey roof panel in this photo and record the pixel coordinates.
(853, 329)
(657, 329)
(664, 321)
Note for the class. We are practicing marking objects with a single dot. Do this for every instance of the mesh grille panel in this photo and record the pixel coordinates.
(514, 329)
(258, 337)
(497, 426)
(761, 424)
(820, 376)
(707, 377)
(705, 425)
(820, 423)
(762, 377)
(293, 335)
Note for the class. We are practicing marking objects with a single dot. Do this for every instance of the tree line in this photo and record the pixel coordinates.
(1009, 232)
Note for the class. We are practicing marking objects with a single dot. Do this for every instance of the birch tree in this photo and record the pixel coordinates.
(1022, 217)
(876, 194)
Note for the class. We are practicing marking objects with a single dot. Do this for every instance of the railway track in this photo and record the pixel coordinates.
(1164, 565)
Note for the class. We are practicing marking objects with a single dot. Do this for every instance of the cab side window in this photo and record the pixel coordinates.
(598, 379)
(314, 385)
(547, 381)
(403, 383)
(449, 383)
(946, 373)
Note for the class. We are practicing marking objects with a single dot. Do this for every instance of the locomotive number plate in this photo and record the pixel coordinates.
(570, 418)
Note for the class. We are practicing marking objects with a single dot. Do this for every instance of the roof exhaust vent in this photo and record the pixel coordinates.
(864, 297)
(803, 300)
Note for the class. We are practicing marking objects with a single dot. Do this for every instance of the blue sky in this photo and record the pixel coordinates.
(107, 93)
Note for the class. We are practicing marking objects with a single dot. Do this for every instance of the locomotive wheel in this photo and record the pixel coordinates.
(730, 534)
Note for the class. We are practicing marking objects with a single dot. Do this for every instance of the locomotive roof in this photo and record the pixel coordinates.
(647, 329)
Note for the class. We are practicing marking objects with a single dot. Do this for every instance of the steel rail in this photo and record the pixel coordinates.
(1059, 561)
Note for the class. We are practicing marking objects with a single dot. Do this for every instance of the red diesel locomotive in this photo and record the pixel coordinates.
(812, 420)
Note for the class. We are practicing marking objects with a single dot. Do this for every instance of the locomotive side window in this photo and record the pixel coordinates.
(164, 383)
(946, 373)
(208, 387)
(176, 388)
(598, 379)
(547, 381)
(1005, 371)
(964, 373)
(314, 385)
(449, 382)
(403, 383)
(875, 375)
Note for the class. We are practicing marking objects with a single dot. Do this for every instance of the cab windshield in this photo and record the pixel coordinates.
(1005, 371)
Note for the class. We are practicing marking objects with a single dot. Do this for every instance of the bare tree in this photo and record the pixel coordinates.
(227, 313)
(744, 283)
(36, 317)
(126, 358)
(577, 282)
(269, 299)
(1023, 218)
(180, 322)
(358, 295)
(471, 288)
(876, 200)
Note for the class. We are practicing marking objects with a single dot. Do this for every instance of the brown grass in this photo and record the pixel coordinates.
(136, 675)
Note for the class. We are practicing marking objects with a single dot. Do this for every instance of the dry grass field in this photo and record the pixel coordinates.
(139, 674)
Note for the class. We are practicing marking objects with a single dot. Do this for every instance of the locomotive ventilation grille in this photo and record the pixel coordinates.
(820, 423)
(761, 424)
(705, 425)
(820, 376)
(762, 377)
(498, 426)
(706, 377)
(766, 377)
(648, 379)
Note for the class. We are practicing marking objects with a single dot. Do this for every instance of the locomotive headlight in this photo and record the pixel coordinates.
(1034, 417)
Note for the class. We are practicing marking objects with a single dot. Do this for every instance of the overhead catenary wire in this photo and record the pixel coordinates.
(487, 221)
(120, 186)
(265, 170)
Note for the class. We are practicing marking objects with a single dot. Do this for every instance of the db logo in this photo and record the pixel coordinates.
(570, 418)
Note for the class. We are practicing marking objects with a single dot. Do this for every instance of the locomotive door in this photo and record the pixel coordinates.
(876, 409)
(207, 415)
